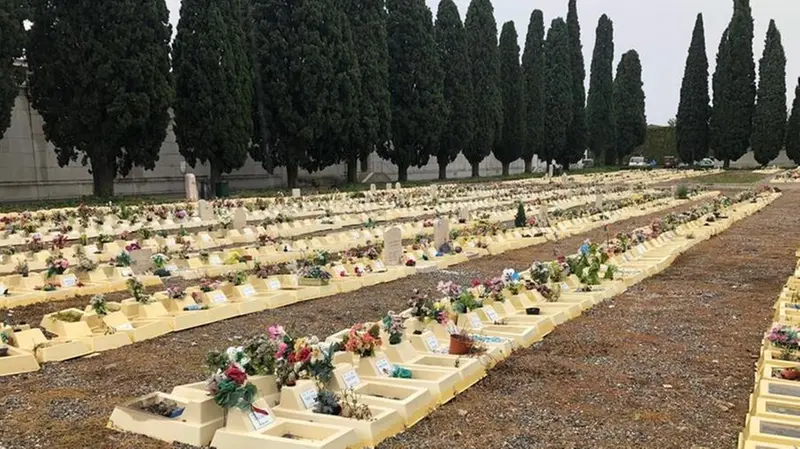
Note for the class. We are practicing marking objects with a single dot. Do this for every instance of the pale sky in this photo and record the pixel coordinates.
(660, 30)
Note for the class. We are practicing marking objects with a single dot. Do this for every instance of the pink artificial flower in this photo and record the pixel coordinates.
(282, 348)
(276, 332)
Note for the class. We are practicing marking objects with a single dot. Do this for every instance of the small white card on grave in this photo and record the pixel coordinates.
(3, 289)
(248, 290)
(309, 398)
(379, 266)
(451, 328)
(124, 327)
(206, 237)
(90, 249)
(171, 268)
(471, 244)
(247, 231)
(384, 367)
(215, 260)
(69, 281)
(475, 321)
(126, 272)
(564, 286)
(351, 379)
(274, 284)
(171, 241)
(260, 420)
(218, 297)
(432, 343)
(340, 270)
(491, 314)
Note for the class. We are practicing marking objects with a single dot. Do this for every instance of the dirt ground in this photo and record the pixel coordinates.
(667, 364)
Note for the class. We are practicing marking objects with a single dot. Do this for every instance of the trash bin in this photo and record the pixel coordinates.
(221, 189)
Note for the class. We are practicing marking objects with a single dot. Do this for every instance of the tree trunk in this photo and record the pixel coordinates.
(529, 166)
(352, 169)
(506, 168)
(476, 172)
(365, 163)
(442, 171)
(214, 177)
(402, 173)
(103, 174)
(291, 174)
(726, 164)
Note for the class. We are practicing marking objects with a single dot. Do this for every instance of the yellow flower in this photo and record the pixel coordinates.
(299, 344)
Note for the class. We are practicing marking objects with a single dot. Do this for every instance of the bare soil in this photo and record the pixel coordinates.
(597, 381)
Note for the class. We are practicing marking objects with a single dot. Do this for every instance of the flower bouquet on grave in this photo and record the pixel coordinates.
(99, 305)
(124, 259)
(175, 292)
(346, 406)
(784, 337)
(137, 290)
(425, 309)
(231, 389)
(237, 278)
(35, 244)
(133, 246)
(22, 268)
(512, 281)
(302, 358)
(394, 325)
(159, 262)
(313, 275)
(59, 242)
(56, 266)
(4, 341)
(207, 285)
(363, 339)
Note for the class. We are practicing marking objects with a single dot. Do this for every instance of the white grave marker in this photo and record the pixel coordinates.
(398, 186)
(205, 210)
(190, 185)
(295, 193)
(239, 218)
(373, 188)
(441, 232)
(463, 214)
(392, 246)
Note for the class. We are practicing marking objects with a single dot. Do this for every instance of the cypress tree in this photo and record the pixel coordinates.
(738, 86)
(599, 105)
(310, 82)
(100, 80)
(720, 108)
(213, 85)
(11, 16)
(769, 121)
(415, 83)
(368, 24)
(533, 73)
(511, 87)
(451, 41)
(485, 66)
(694, 111)
(576, 134)
(629, 116)
(793, 128)
(557, 92)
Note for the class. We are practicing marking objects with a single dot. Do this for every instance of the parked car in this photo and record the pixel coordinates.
(637, 162)
(706, 163)
(670, 162)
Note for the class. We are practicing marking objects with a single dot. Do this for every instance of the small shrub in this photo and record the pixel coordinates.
(520, 220)
(682, 192)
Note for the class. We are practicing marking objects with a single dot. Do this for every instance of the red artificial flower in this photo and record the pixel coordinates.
(476, 282)
(236, 374)
(304, 354)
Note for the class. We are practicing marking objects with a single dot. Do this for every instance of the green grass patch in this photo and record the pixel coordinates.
(731, 177)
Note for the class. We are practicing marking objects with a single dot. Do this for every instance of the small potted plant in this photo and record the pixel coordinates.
(99, 305)
(461, 343)
(22, 268)
(394, 324)
(314, 275)
(159, 262)
(56, 266)
(137, 290)
(4, 339)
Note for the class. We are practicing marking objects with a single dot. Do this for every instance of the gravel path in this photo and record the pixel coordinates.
(66, 405)
(668, 364)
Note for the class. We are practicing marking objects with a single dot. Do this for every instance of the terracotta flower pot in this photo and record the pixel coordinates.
(460, 345)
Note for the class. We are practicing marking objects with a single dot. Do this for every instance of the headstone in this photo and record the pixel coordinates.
(542, 220)
(239, 218)
(397, 186)
(441, 232)
(463, 214)
(550, 171)
(142, 261)
(372, 188)
(388, 186)
(393, 246)
(598, 201)
(190, 185)
(564, 178)
(295, 193)
(205, 210)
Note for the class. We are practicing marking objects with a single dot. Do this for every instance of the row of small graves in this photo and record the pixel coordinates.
(101, 326)
(371, 381)
(773, 418)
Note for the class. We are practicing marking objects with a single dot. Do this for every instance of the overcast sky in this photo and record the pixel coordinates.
(660, 30)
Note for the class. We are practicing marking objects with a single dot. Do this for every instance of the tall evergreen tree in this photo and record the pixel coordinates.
(599, 111)
(485, 65)
(415, 82)
(368, 25)
(720, 107)
(793, 128)
(629, 116)
(451, 40)
(738, 86)
(557, 92)
(100, 80)
(310, 80)
(213, 85)
(576, 134)
(511, 86)
(694, 110)
(533, 74)
(11, 44)
(769, 121)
